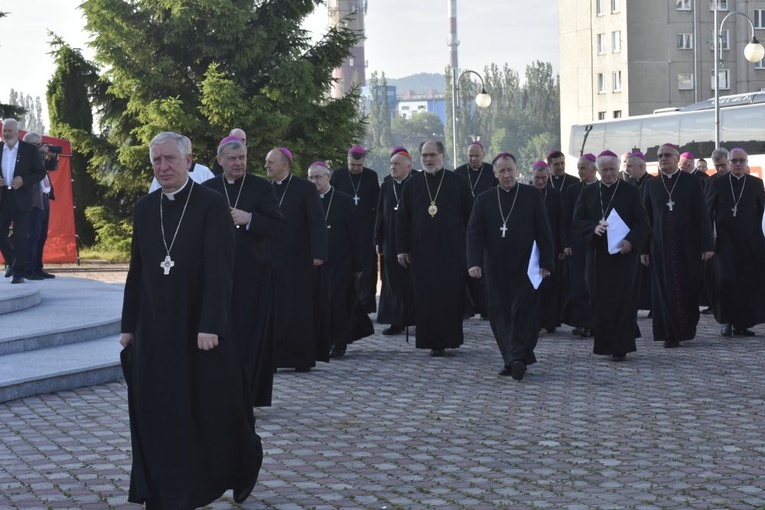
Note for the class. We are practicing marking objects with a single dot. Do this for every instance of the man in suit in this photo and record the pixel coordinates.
(21, 170)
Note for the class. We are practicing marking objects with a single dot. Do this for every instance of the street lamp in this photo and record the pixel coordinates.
(482, 100)
(753, 52)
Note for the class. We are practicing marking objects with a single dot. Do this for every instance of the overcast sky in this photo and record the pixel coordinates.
(403, 37)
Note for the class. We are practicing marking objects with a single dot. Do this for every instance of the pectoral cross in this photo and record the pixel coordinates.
(355, 200)
(735, 210)
(503, 228)
(167, 264)
(671, 205)
(329, 226)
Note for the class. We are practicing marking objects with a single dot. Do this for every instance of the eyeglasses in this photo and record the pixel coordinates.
(665, 155)
(737, 161)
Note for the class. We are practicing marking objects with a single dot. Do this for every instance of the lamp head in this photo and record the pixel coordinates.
(483, 100)
(754, 51)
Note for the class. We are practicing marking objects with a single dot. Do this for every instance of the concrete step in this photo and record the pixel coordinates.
(59, 368)
(18, 297)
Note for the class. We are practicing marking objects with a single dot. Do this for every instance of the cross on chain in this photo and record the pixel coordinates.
(670, 204)
(167, 264)
(355, 200)
(503, 228)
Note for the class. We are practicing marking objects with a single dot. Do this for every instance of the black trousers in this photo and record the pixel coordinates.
(15, 254)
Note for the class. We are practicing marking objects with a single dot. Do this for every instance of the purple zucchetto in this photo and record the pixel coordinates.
(229, 139)
(638, 155)
(319, 163)
(590, 157)
(687, 155)
(286, 152)
(502, 155)
(608, 153)
(357, 150)
(540, 164)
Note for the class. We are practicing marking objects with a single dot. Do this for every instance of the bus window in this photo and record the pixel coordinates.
(623, 136)
(697, 133)
(656, 131)
(587, 138)
(743, 127)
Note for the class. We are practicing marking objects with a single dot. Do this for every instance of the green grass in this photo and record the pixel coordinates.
(95, 254)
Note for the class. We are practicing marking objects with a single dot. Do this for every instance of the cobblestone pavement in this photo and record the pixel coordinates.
(390, 427)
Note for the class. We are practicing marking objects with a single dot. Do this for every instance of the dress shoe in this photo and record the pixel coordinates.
(242, 494)
(671, 344)
(393, 330)
(17, 278)
(506, 371)
(726, 329)
(518, 369)
(550, 330)
(438, 353)
(618, 357)
(302, 369)
(743, 332)
(576, 331)
(46, 275)
(707, 311)
(337, 352)
(34, 276)
(585, 332)
(8, 272)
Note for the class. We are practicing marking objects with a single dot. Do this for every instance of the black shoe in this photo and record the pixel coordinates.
(46, 275)
(506, 371)
(438, 353)
(585, 332)
(707, 311)
(650, 314)
(743, 332)
(671, 344)
(241, 495)
(576, 331)
(34, 276)
(302, 369)
(518, 369)
(393, 330)
(468, 315)
(726, 329)
(618, 357)
(550, 330)
(8, 272)
(337, 352)
(17, 279)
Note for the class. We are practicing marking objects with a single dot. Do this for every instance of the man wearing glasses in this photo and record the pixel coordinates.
(736, 203)
(681, 242)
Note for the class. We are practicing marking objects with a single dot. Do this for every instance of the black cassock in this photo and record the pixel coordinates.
(437, 247)
(340, 317)
(612, 279)
(366, 187)
(644, 272)
(739, 276)
(513, 301)
(550, 289)
(251, 323)
(561, 182)
(191, 438)
(574, 294)
(396, 293)
(679, 236)
(297, 344)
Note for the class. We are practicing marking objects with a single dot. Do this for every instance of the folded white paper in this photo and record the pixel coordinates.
(616, 231)
(534, 276)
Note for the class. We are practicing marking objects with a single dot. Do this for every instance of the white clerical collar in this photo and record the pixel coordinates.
(738, 177)
(588, 183)
(171, 195)
(323, 194)
(399, 181)
(279, 182)
(672, 174)
(508, 190)
(476, 169)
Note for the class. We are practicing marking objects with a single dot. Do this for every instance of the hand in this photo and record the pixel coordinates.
(404, 259)
(645, 260)
(601, 228)
(317, 262)
(17, 182)
(240, 217)
(625, 246)
(544, 272)
(126, 339)
(207, 341)
(707, 255)
(567, 252)
(474, 272)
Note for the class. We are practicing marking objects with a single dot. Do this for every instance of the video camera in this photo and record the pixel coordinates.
(55, 149)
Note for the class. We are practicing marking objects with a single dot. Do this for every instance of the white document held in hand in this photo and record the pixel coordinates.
(616, 231)
(534, 277)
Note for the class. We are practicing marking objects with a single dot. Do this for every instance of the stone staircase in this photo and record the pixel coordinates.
(58, 334)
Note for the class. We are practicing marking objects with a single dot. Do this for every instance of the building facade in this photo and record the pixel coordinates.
(621, 58)
(353, 70)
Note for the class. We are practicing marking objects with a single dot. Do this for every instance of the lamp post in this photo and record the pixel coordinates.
(753, 52)
(483, 100)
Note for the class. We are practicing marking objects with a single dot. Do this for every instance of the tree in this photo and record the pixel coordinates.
(204, 67)
(30, 111)
(422, 126)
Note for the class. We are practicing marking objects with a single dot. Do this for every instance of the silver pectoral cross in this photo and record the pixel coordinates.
(355, 200)
(503, 228)
(735, 210)
(167, 264)
(670, 204)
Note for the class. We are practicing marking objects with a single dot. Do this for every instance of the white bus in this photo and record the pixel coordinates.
(742, 124)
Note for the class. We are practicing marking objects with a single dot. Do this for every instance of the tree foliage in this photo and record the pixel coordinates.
(29, 110)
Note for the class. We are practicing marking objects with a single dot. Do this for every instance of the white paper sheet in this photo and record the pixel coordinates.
(534, 277)
(616, 231)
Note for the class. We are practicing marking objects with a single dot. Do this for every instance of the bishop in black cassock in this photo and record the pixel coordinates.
(396, 294)
(612, 278)
(681, 241)
(736, 203)
(504, 224)
(296, 255)
(363, 186)
(191, 438)
(430, 237)
(258, 220)
(559, 179)
(639, 176)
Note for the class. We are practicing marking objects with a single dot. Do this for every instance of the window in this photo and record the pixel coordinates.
(601, 115)
(683, 5)
(616, 41)
(601, 83)
(722, 5)
(617, 114)
(600, 9)
(600, 43)
(723, 79)
(351, 61)
(724, 41)
(760, 64)
(684, 41)
(617, 81)
(616, 5)
(759, 18)
(685, 81)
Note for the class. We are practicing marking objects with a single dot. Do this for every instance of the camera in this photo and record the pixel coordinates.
(55, 149)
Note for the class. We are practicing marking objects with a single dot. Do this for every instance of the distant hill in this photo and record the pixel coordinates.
(420, 83)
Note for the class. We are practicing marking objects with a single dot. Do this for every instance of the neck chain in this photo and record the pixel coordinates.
(643, 181)
(503, 228)
(472, 186)
(329, 206)
(285, 191)
(669, 191)
(168, 262)
(600, 190)
(355, 187)
(225, 190)
(562, 182)
(741, 194)
(395, 193)
(433, 208)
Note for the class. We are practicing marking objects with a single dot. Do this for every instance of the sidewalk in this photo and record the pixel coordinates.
(390, 427)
